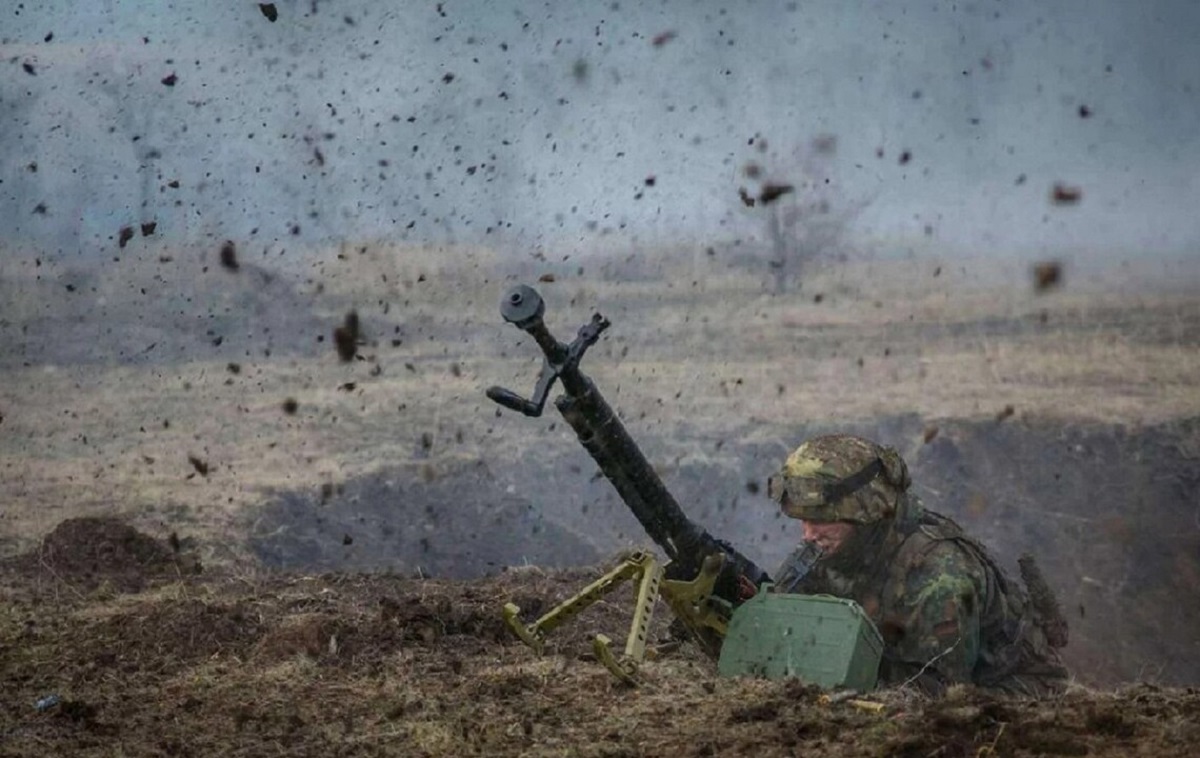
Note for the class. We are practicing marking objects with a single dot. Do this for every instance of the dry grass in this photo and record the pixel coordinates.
(702, 345)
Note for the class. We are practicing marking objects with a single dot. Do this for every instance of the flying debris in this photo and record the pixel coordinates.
(345, 337)
(1065, 194)
(229, 256)
(663, 38)
(200, 465)
(772, 192)
(1046, 276)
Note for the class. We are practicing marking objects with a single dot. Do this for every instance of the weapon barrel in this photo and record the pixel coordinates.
(622, 462)
(620, 459)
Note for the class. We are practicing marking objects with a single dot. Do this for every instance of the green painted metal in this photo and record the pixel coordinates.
(820, 639)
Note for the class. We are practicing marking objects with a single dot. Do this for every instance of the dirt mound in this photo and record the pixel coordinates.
(89, 551)
(374, 664)
(453, 521)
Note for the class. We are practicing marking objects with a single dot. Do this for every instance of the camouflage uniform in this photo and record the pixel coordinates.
(947, 612)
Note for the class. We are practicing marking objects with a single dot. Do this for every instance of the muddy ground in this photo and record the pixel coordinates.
(111, 643)
(219, 537)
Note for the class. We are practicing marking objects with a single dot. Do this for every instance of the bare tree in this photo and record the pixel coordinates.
(806, 214)
(135, 114)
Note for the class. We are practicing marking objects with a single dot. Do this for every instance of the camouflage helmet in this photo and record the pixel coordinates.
(840, 478)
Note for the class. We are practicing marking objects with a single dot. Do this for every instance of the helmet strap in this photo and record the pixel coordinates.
(831, 493)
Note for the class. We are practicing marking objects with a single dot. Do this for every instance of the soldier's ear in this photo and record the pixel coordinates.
(894, 469)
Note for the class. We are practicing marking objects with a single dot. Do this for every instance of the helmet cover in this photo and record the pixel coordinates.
(840, 478)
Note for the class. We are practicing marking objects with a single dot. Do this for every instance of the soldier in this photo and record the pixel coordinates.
(946, 610)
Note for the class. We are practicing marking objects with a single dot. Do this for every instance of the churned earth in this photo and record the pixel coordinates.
(120, 645)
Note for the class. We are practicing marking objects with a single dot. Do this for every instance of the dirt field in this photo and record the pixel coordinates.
(357, 522)
(147, 658)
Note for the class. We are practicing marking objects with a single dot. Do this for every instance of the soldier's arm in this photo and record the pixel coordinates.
(933, 628)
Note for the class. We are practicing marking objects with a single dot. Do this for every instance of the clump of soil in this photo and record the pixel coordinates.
(90, 551)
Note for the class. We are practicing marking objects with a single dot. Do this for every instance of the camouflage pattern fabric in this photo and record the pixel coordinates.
(839, 478)
(947, 612)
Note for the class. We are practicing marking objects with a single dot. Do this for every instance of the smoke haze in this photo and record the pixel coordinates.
(526, 125)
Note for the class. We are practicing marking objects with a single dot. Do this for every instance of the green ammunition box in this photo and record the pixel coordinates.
(822, 640)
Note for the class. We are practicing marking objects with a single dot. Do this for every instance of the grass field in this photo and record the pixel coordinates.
(114, 434)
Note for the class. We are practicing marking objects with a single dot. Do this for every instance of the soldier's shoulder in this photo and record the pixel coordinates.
(931, 551)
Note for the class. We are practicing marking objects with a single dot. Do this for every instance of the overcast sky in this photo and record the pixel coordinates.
(606, 123)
